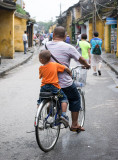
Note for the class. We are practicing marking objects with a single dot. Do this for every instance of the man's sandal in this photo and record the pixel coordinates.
(79, 129)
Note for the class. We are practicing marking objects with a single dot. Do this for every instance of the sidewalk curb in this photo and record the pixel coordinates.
(112, 68)
(15, 66)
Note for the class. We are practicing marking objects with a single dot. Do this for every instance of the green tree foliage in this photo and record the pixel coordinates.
(45, 25)
(20, 10)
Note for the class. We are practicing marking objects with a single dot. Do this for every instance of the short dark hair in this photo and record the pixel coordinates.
(45, 55)
(25, 31)
(59, 32)
(96, 34)
(84, 36)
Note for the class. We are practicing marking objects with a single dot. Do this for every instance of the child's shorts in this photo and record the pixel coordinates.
(50, 88)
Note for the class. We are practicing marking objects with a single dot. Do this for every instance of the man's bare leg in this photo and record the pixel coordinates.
(94, 68)
(75, 124)
(99, 66)
(74, 116)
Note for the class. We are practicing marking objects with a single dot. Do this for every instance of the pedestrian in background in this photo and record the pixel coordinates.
(25, 41)
(41, 39)
(85, 48)
(78, 37)
(67, 39)
(96, 50)
(51, 36)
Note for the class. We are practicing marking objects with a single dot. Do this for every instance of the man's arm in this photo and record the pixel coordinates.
(84, 62)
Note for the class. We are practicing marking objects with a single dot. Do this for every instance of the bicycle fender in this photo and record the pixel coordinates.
(37, 114)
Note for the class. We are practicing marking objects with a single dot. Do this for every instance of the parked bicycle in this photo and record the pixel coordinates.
(47, 120)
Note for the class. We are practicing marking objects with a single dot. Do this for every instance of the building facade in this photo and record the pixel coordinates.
(7, 28)
(80, 18)
(12, 27)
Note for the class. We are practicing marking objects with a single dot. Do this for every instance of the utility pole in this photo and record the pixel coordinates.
(94, 15)
(60, 9)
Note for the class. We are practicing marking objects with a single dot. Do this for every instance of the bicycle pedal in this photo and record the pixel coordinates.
(64, 123)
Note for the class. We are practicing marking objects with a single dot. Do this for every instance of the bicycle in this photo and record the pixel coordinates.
(47, 119)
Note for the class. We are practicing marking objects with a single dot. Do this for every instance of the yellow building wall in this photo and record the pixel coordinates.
(68, 26)
(6, 33)
(19, 28)
(117, 39)
(100, 30)
(77, 12)
(51, 29)
(90, 30)
(107, 39)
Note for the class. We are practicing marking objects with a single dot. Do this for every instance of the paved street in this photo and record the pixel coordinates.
(19, 92)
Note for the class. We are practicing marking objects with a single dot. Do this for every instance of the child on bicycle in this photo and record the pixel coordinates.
(49, 74)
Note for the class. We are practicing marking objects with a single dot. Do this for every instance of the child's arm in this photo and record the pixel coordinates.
(68, 71)
(62, 68)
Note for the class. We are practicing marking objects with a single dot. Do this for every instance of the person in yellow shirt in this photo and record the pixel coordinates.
(49, 74)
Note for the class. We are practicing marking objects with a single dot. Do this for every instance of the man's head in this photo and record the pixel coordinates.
(96, 34)
(25, 32)
(59, 32)
(84, 36)
(44, 56)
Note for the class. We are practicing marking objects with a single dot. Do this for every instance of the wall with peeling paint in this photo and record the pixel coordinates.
(6, 33)
(19, 28)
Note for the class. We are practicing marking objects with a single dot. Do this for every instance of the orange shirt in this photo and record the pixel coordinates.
(49, 73)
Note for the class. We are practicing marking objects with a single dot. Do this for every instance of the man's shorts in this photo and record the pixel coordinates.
(73, 98)
(50, 88)
(96, 59)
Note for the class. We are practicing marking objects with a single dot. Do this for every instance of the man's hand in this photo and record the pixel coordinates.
(88, 67)
(84, 62)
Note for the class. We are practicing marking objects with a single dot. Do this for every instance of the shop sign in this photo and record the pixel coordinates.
(110, 21)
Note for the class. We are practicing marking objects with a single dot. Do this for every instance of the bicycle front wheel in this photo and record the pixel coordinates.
(81, 118)
(47, 132)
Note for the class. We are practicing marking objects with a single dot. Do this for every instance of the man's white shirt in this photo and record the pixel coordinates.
(24, 37)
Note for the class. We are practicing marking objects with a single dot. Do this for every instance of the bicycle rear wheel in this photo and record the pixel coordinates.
(47, 132)
(81, 118)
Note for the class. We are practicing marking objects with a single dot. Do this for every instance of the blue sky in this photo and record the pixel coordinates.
(45, 10)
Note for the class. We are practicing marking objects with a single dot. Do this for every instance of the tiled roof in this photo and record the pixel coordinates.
(7, 5)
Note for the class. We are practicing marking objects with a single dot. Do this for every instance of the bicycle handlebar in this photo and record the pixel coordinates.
(79, 66)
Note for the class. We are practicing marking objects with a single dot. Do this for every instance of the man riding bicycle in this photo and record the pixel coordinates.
(64, 52)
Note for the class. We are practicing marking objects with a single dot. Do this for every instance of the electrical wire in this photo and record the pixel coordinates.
(98, 15)
(85, 9)
(104, 6)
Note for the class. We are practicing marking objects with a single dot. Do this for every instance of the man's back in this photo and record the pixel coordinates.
(63, 52)
(94, 42)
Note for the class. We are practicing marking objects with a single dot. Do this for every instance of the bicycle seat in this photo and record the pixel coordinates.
(46, 94)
